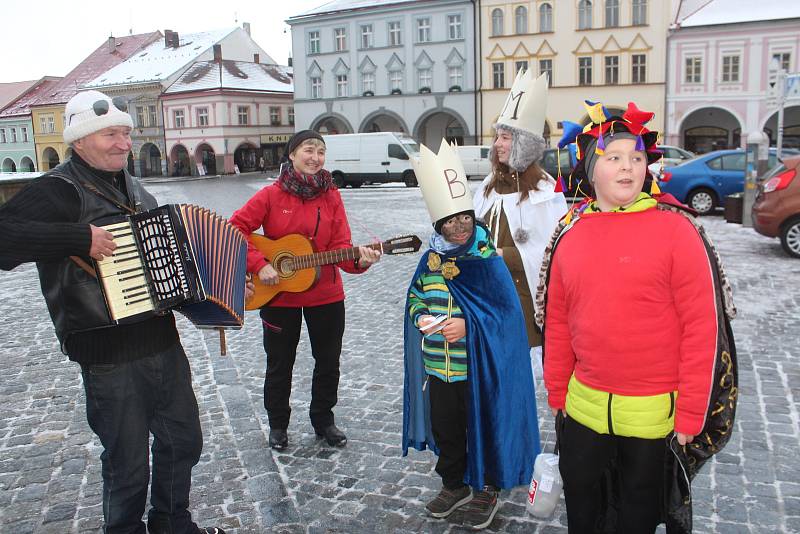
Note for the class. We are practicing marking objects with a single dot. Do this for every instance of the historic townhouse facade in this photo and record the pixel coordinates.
(17, 149)
(221, 116)
(718, 77)
(143, 77)
(611, 51)
(398, 65)
(47, 112)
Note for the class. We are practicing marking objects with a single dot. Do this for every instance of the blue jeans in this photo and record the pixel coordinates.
(127, 402)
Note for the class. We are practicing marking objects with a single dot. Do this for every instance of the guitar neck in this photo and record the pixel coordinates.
(330, 256)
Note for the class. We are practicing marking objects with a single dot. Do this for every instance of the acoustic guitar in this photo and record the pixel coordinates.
(298, 264)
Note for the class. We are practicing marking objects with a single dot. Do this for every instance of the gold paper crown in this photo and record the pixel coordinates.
(526, 104)
(443, 181)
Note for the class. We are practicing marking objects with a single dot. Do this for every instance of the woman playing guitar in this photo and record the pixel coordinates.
(303, 201)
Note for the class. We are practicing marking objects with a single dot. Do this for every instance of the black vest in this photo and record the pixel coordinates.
(74, 298)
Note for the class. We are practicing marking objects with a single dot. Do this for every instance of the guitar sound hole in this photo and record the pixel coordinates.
(286, 266)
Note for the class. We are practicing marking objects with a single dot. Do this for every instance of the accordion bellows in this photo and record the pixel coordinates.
(176, 256)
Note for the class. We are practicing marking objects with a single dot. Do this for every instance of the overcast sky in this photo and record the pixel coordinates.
(50, 37)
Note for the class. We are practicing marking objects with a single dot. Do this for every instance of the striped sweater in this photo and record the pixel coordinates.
(429, 295)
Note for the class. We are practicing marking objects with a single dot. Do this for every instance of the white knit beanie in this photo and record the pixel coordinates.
(83, 120)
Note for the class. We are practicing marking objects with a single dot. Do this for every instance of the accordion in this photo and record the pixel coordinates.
(176, 256)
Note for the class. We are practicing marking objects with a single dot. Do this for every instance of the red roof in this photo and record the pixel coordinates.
(94, 65)
(21, 105)
(10, 91)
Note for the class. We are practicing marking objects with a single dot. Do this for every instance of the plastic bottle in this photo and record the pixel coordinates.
(545, 489)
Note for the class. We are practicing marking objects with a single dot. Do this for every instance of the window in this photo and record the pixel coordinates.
(51, 124)
(497, 21)
(521, 19)
(498, 75)
(612, 13)
(341, 85)
(313, 42)
(545, 18)
(424, 78)
(584, 71)
(339, 39)
(151, 111)
(784, 59)
(455, 75)
(733, 162)
(274, 116)
(584, 15)
(730, 68)
(639, 15)
(13, 135)
(202, 116)
(546, 66)
(140, 116)
(367, 36)
(291, 115)
(694, 65)
(612, 70)
(3, 135)
(179, 118)
(395, 34)
(24, 134)
(423, 30)
(243, 113)
(638, 68)
(520, 65)
(368, 82)
(316, 87)
(454, 27)
(396, 80)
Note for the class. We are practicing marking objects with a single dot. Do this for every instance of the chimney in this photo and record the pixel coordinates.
(256, 58)
(171, 39)
(290, 61)
(217, 53)
(112, 44)
(246, 26)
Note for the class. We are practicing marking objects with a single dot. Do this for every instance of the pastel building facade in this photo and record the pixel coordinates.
(398, 65)
(221, 116)
(17, 147)
(143, 77)
(718, 83)
(610, 51)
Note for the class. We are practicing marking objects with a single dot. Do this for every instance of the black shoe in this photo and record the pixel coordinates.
(278, 440)
(210, 530)
(332, 435)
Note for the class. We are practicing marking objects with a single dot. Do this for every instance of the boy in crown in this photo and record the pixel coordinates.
(466, 395)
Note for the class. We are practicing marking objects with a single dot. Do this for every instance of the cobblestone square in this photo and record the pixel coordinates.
(49, 459)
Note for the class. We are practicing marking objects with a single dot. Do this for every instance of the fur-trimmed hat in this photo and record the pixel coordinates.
(91, 111)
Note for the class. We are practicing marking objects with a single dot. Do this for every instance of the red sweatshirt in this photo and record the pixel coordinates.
(277, 213)
(631, 310)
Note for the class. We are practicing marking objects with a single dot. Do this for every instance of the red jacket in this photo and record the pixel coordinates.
(277, 213)
(631, 310)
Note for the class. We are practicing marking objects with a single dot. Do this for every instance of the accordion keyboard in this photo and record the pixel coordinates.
(123, 275)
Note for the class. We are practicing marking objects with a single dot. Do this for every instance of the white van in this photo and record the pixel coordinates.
(476, 161)
(368, 158)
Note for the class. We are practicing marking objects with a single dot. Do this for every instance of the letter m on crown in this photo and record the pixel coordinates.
(513, 98)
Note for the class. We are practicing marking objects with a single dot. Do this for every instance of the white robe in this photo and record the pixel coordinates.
(538, 215)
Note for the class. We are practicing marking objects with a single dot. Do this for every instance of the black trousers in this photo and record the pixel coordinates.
(585, 457)
(449, 424)
(325, 325)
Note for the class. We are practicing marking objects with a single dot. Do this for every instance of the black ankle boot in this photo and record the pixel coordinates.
(278, 439)
(332, 435)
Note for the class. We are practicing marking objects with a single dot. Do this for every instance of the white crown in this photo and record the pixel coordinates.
(525, 107)
(443, 181)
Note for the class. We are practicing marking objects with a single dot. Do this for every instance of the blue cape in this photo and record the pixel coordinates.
(502, 425)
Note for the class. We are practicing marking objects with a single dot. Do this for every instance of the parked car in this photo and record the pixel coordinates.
(703, 183)
(476, 160)
(566, 157)
(673, 155)
(366, 158)
(776, 211)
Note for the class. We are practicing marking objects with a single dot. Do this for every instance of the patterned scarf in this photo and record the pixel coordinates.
(302, 185)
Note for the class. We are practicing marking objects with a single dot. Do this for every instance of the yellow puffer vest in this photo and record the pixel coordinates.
(648, 417)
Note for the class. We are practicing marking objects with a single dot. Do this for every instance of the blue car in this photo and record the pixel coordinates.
(703, 183)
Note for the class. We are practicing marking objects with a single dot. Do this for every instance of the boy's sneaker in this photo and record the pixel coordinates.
(448, 500)
(481, 510)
